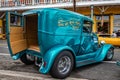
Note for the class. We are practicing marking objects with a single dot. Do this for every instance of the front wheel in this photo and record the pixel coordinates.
(62, 65)
(109, 55)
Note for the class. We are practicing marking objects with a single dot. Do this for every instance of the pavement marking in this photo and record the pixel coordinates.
(69, 78)
(4, 54)
(3, 47)
(112, 62)
(3, 44)
(21, 74)
(31, 75)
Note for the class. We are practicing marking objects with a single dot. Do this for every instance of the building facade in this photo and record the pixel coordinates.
(106, 13)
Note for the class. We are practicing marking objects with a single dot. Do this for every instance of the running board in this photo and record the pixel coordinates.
(85, 62)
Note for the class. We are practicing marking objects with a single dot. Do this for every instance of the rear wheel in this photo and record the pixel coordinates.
(109, 55)
(62, 65)
(27, 59)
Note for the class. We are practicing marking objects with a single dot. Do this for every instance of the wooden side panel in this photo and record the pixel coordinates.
(14, 30)
(32, 32)
(21, 40)
(17, 39)
(18, 46)
(16, 33)
(34, 47)
(32, 42)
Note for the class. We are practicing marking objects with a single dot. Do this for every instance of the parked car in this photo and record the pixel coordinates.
(111, 40)
(56, 40)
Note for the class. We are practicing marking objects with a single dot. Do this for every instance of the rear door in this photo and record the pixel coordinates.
(15, 33)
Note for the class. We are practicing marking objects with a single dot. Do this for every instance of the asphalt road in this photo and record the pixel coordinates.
(16, 70)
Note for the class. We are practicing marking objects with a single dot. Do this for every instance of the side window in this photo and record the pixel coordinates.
(87, 26)
(15, 20)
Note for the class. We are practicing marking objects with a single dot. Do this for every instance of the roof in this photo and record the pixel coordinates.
(35, 11)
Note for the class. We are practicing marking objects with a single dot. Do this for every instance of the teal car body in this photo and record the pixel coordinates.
(118, 63)
(60, 30)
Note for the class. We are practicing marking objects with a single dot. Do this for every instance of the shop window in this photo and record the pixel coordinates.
(102, 17)
(116, 23)
(103, 25)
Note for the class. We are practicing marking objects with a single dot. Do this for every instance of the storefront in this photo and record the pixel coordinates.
(106, 18)
(106, 22)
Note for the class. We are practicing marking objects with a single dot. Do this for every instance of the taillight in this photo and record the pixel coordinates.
(45, 63)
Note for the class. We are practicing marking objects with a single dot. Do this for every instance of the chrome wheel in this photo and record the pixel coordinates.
(27, 59)
(64, 65)
(30, 57)
(110, 54)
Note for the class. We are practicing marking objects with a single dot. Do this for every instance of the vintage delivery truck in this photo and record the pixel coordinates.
(56, 40)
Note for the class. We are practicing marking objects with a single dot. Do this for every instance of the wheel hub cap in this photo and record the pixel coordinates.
(64, 65)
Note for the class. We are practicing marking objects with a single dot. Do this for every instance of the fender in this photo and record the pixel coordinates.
(50, 56)
(103, 52)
